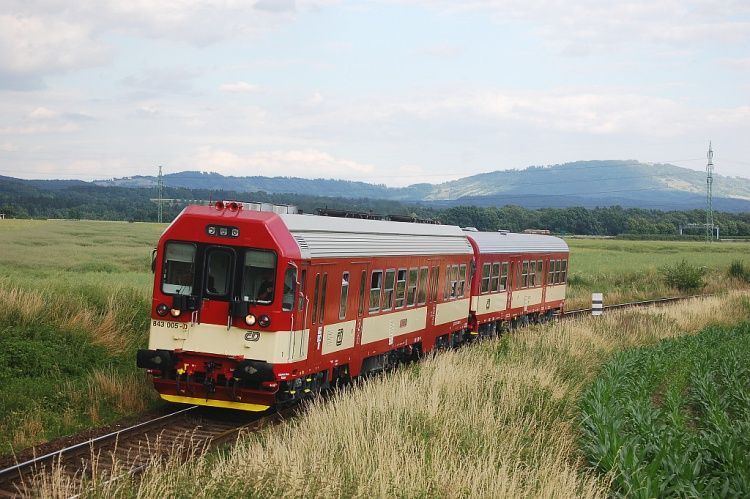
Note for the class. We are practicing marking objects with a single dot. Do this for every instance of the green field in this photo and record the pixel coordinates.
(674, 419)
(629, 270)
(75, 298)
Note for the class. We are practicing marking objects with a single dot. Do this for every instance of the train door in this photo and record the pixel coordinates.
(360, 273)
(299, 328)
(512, 280)
(318, 277)
(432, 291)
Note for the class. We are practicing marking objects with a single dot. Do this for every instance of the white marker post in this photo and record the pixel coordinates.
(597, 303)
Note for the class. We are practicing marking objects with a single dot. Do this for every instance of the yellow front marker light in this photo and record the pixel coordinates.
(250, 320)
(175, 312)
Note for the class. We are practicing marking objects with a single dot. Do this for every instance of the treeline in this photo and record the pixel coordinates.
(20, 199)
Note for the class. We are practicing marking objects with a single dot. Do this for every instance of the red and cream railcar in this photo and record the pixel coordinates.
(252, 309)
(518, 277)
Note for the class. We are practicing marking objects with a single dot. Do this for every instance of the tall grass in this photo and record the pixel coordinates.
(495, 419)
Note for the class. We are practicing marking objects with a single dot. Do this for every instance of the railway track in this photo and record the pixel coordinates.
(644, 303)
(131, 449)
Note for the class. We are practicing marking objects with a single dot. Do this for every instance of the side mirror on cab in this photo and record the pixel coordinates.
(153, 260)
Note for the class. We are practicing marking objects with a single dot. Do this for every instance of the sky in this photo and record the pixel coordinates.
(395, 91)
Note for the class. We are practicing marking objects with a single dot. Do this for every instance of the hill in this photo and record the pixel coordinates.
(626, 183)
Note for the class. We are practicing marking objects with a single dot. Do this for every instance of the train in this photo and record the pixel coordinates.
(257, 308)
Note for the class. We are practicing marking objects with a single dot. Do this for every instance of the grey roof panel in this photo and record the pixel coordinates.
(510, 242)
(320, 237)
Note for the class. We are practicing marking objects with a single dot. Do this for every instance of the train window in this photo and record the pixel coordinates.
(556, 278)
(376, 282)
(539, 268)
(447, 290)
(461, 281)
(525, 275)
(550, 271)
(454, 280)
(316, 292)
(411, 296)
(434, 286)
(504, 277)
(290, 285)
(344, 295)
(422, 286)
(178, 271)
(219, 270)
(301, 303)
(258, 276)
(564, 272)
(362, 284)
(494, 277)
(400, 288)
(323, 289)
(390, 282)
(485, 278)
(532, 274)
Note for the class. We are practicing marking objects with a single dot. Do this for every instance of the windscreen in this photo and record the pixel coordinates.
(178, 271)
(258, 276)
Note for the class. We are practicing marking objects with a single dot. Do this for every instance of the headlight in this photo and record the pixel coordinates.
(162, 309)
(250, 319)
(264, 320)
(175, 312)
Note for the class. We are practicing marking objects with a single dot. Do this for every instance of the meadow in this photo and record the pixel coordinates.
(74, 308)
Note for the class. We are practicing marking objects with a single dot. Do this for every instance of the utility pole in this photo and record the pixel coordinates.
(160, 187)
(709, 195)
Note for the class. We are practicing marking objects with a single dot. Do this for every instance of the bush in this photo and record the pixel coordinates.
(684, 276)
(738, 271)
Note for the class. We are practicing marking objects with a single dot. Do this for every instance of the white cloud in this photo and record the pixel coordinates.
(241, 87)
(42, 113)
(8, 147)
(310, 163)
(31, 46)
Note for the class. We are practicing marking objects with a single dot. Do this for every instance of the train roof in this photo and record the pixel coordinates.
(510, 242)
(320, 237)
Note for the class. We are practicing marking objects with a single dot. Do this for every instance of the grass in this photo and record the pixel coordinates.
(75, 301)
(674, 419)
(495, 419)
(629, 270)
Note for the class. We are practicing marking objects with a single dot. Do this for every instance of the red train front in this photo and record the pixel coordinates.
(252, 308)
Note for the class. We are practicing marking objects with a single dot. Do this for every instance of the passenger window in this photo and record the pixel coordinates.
(411, 296)
(564, 272)
(400, 288)
(323, 290)
(435, 281)
(447, 290)
(454, 280)
(376, 283)
(485, 278)
(290, 285)
(461, 280)
(532, 274)
(390, 279)
(495, 277)
(550, 271)
(178, 271)
(316, 291)
(422, 286)
(362, 285)
(504, 277)
(539, 268)
(525, 275)
(219, 272)
(344, 295)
